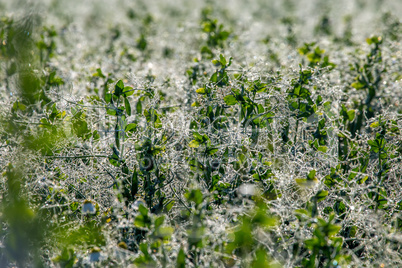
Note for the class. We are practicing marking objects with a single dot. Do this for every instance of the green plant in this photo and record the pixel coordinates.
(216, 35)
(194, 158)
(385, 154)
(315, 56)
(47, 44)
(244, 245)
(325, 247)
(368, 79)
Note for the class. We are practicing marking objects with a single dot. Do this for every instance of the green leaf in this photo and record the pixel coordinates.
(311, 244)
(194, 144)
(351, 115)
(118, 89)
(134, 183)
(306, 182)
(260, 109)
(158, 122)
(197, 136)
(181, 259)
(111, 111)
(143, 210)
(301, 182)
(67, 258)
(138, 107)
(372, 143)
(108, 97)
(206, 51)
(159, 221)
(99, 73)
(302, 212)
(194, 195)
(376, 145)
(261, 259)
(358, 85)
(19, 106)
(333, 229)
(323, 149)
(321, 195)
(311, 175)
(127, 106)
(353, 173)
(144, 248)
(128, 91)
(222, 60)
(201, 91)
(117, 135)
(130, 127)
(238, 76)
(339, 207)
(374, 124)
(230, 100)
(164, 233)
(212, 150)
(362, 180)
(169, 206)
(374, 40)
(216, 63)
(242, 158)
(230, 61)
(214, 78)
(114, 160)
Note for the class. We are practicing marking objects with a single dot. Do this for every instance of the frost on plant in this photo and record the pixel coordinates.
(200, 134)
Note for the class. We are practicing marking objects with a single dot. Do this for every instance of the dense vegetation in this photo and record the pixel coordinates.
(201, 134)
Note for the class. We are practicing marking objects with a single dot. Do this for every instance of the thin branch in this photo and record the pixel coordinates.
(77, 156)
(178, 197)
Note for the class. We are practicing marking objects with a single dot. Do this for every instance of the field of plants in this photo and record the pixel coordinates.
(154, 133)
